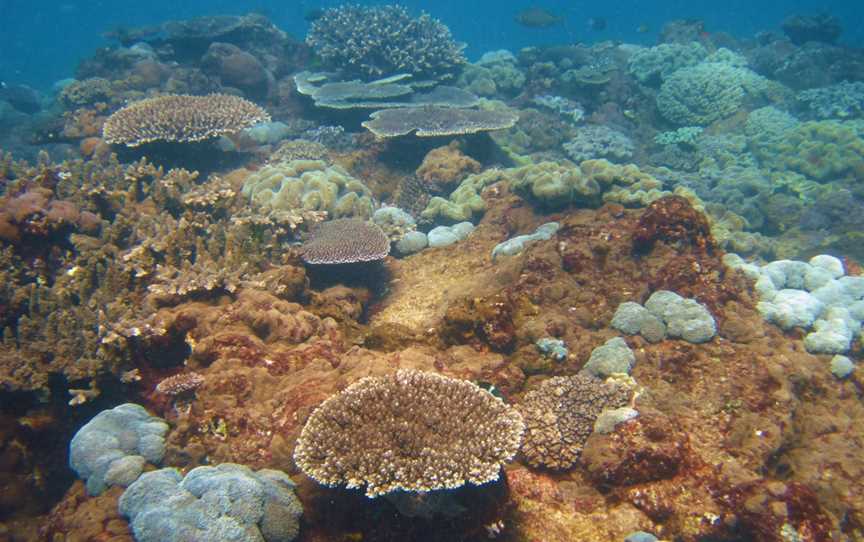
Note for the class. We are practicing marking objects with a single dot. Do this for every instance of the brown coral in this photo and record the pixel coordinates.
(411, 431)
(559, 417)
(181, 118)
(346, 240)
(444, 166)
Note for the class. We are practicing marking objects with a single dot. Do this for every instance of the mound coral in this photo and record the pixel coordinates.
(225, 502)
(384, 40)
(181, 118)
(701, 94)
(113, 447)
(443, 166)
(346, 240)
(410, 431)
(559, 417)
(309, 185)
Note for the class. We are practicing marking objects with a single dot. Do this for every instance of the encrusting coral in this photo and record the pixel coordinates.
(181, 118)
(410, 431)
(559, 417)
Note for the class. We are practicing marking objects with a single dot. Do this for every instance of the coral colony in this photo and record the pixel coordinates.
(610, 292)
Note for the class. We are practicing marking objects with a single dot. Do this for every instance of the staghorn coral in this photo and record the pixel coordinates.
(384, 40)
(345, 240)
(559, 417)
(309, 185)
(434, 121)
(181, 118)
(409, 431)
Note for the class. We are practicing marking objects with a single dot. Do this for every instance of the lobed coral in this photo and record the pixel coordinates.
(309, 185)
(225, 502)
(181, 118)
(378, 41)
(113, 447)
(701, 94)
(410, 431)
(654, 64)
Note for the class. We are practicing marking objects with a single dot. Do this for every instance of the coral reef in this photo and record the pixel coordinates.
(380, 41)
(398, 433)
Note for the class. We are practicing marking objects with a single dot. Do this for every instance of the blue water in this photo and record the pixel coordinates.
(41, 41)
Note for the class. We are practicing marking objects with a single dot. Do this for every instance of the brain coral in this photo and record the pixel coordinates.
(309, 185)
(181, 118)
(346, 240)
(113, 447)
(384, 40)
(559, 417)
(225, 502)
(410, 431)
(706, 92)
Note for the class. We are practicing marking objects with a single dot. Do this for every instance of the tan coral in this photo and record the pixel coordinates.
(443, 166)
(410, 431)
(181, 118)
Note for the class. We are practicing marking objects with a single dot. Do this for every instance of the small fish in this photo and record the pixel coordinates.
(313, 14)
(537, 18)
(597, 23)
(643, 28)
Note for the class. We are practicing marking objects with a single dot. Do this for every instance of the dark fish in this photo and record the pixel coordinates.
(537, 18)
(597, 23)
(313, 14)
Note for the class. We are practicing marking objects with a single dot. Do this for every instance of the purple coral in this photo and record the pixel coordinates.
(346, 240)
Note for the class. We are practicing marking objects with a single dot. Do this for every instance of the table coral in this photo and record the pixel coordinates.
(398, 433)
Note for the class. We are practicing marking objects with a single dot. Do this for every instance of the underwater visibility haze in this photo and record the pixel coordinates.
(454, 271)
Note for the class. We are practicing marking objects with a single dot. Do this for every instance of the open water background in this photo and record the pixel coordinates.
(41, 41)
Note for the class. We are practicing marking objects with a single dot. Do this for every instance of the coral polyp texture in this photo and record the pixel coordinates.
(181, 118)
(409, 431)
(346, 240)
(384, 40)
(560, 414)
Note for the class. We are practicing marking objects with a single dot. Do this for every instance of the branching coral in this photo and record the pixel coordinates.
(410, 431)
(384, 40)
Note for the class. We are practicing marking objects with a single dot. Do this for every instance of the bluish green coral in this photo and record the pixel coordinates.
(225, 502)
